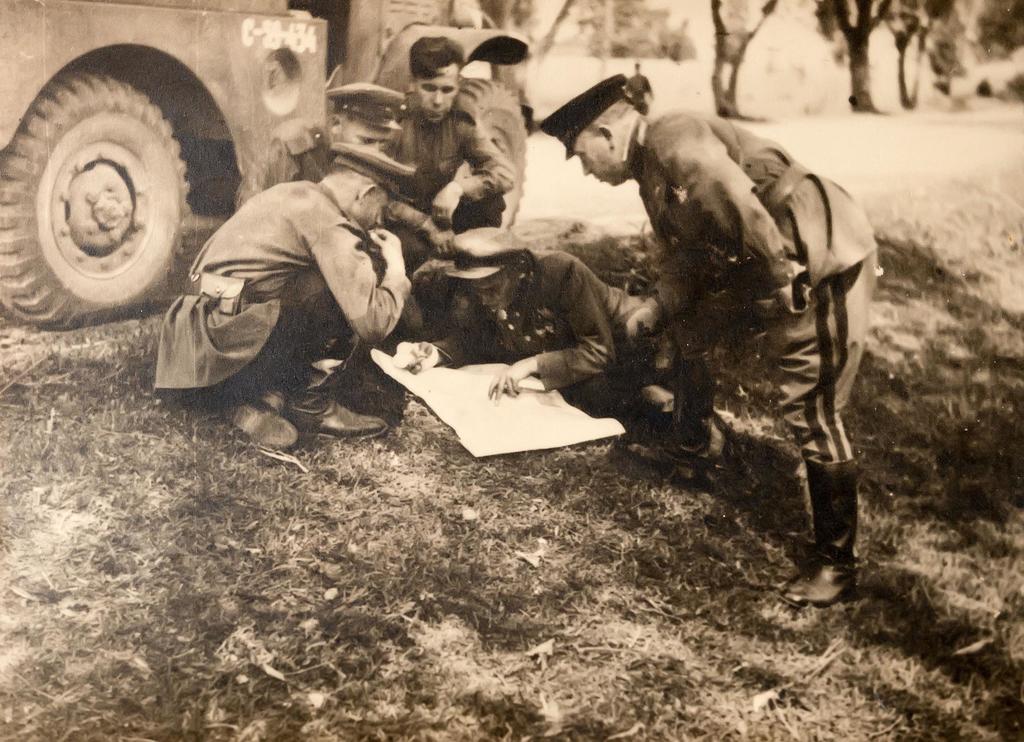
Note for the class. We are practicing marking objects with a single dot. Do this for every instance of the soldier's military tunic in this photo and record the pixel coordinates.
(438, 149)
(306, 275)
(567, 316)
(731, 210)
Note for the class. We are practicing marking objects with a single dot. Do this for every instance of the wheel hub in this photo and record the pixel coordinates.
(99, 209)
(99, 205)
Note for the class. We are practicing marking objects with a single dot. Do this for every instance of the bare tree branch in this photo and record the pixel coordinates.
(842, 13)
(716, 16)
(549, 38)
(883, 13)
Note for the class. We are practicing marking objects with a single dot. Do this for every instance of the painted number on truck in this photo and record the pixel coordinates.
(273, 34)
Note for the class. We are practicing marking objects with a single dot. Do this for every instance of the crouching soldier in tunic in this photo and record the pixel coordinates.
(437, 137)
(549, 316)
(748, 232)
(298, 266)
(360, 113)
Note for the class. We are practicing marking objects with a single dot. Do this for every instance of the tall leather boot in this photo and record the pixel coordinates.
(697, 436)
(832, 576)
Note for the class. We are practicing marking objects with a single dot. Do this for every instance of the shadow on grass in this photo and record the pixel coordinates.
(897, 609)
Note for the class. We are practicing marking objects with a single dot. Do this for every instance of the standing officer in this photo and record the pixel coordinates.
(749, 236)
(639, 91)
(291, 271)
(437, 138)
(361, 113)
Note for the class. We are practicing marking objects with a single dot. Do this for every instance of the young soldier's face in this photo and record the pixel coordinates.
(599, 155)
(435, 96)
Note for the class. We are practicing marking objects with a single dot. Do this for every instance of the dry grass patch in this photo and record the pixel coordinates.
(163, 580)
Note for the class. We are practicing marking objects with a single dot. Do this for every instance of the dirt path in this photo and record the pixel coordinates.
(868, 155)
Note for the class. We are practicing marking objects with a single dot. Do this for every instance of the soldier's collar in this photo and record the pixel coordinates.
(636, 145)
(640, 131)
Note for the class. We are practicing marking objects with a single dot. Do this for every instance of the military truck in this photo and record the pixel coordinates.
(126, 128)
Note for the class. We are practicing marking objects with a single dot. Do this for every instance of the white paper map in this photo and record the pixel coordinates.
(534, 420)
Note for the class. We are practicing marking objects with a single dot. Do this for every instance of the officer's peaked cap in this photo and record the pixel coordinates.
(573, 117)
(483, 252)
(373, 104)
(369, 161)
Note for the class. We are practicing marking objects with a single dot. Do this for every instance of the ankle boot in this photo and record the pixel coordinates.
(263, 425)
(832, 574)
(315, 412)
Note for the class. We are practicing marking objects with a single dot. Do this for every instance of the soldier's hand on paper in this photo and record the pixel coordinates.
(416, 357)
(508, 380)
(445, 203)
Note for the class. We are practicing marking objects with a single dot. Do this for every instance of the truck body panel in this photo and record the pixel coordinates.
(259, 69)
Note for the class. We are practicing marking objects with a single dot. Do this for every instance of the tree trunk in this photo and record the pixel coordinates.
(728, 57)
(918, 60)
(724, 92)
(734, 76)
(902, 42)
(860, 73)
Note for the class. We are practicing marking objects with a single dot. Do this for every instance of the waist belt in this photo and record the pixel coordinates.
(225, 290)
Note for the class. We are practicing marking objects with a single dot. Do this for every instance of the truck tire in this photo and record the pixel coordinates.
(92, 197)
(497, 111)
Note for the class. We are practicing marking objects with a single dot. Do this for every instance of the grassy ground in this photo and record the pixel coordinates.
(161, 579)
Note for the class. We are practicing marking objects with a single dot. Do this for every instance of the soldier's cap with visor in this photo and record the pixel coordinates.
(376, 106)
(484, 252)
(573, 117)
(369, 161)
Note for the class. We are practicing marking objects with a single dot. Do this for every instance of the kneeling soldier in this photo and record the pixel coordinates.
(438, 136)
(291, 271)
(748, 233)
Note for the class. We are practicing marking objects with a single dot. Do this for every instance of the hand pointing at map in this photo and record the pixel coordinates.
(507, 381)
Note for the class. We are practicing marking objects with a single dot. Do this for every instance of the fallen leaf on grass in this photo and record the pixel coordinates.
(141, 665)
(532, 559)
(316, 699)
(974, 648)
(276, 674)
(21, 593)
(635, 729)
(331, 570)
(542, 651)
(553, 716)
(761, 700)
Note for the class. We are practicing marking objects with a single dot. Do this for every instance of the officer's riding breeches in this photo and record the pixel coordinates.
(819, 353)
(816, 352)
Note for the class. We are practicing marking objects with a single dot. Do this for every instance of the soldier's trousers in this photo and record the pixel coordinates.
(309, 321)
(817, 354)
